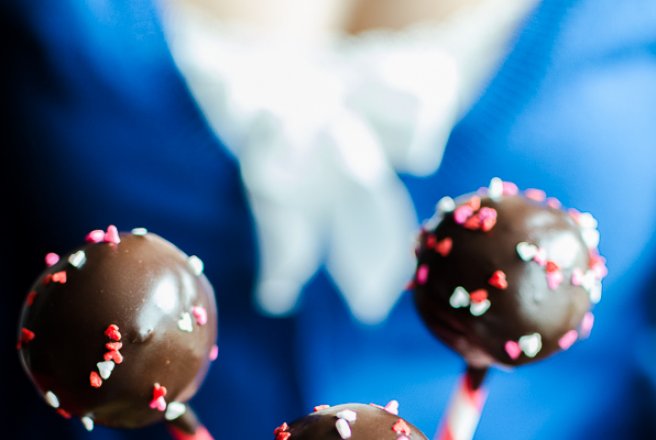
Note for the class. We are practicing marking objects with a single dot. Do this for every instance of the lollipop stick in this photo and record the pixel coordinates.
(465, 407)
(188, 427)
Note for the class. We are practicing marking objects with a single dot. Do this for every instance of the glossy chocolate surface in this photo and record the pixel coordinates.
(371, 423)
(526, 320)
(147, 288)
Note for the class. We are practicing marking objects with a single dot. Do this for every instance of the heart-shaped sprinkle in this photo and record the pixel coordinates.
(531, 344)
(498, 280)
(568, 339)
(478, 295)
(535, 194)
(462, 213)
(51, 399)
(95, 236)
(554, 203)
(158, 401)
(174, 410)
(196, 265)
(51, 259)
(446, 205)
(513, 349)
(510, 189)
(587, 220)
(114, 346)
(473, 223)
(551, 267)
(139, 231)
(478, 308)
(488, 218)
(200, 314)
(59, 277)
(77, 259)
(112, 332)
(87, 422)
(590, 237)
(474, 203)
(443, 247)
(541, 257)
(105, 368)
(401, 427)
(392, 407)
(495, 189)
(343, 428)
(95, 380)
(111, 236)
(459, 298)
(347, 414)
(158, 391)
(526, 251)
(159, 404)
(422, 274)
(554, 279)
(185, 323)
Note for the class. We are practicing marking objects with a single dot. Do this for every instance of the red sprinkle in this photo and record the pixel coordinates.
(95, 380)
(321, 407)
(114, 346)
(473, 223)
(51, 259)
(62, 412)
(59, 277)
(498, 280)
(478, 295)
(431, 241)
(400, 427)
(112, 332)
(551, 267)
(281, 432)
(29, 300)
(113, 356)
(444, 246)
(25, 337)
(158, 391)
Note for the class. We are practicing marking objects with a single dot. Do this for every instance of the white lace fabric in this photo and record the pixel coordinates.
(321, 131)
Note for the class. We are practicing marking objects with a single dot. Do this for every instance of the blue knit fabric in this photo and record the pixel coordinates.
(100, 129)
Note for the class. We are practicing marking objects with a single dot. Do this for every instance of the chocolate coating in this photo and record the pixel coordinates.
(144, 285)
(371, 423)
(527, 319)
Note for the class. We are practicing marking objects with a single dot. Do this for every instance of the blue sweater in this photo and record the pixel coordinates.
(100, 129)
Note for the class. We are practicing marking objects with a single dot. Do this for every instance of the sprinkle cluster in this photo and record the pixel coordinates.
(111, 358)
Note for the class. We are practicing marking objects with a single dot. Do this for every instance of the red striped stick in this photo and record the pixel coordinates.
(465, 407)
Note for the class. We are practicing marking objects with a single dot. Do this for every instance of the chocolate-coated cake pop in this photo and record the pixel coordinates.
(354, 421)
(507, 277)
(120, 331)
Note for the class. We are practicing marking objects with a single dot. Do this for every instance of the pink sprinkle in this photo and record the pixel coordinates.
(513, 349)
(111, 236)
(200, 314)
(535, 194)
(51, 259)
(554, 279)
(568, 339)
(400, 427)
(509, 189)
(462, 213)
(586, 324)
(598, 264)
(59, 277)
(444, 246)
(577, 277)
(95, 380)
(422, 274)
(488, 218)
(95, 236)
(214, 352)
(574, 213)
(321, 407)
(541, 257)
(554, 203)
(158, 401)
(392, 407)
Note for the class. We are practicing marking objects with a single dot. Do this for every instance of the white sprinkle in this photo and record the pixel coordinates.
(446, 205)
(531, 344)
(87, 422)
(459, 298)
(174, 410)
(105, 368)
(591, 238)
(595, 293)
(586, 220)
(52, 399)
(495, 190)
(526, 251)
(77, 259)
(348, 415)
(478, 308)
(392, 407)
(139, 231)
(196, 264)
(185, 323)
(343, 428)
